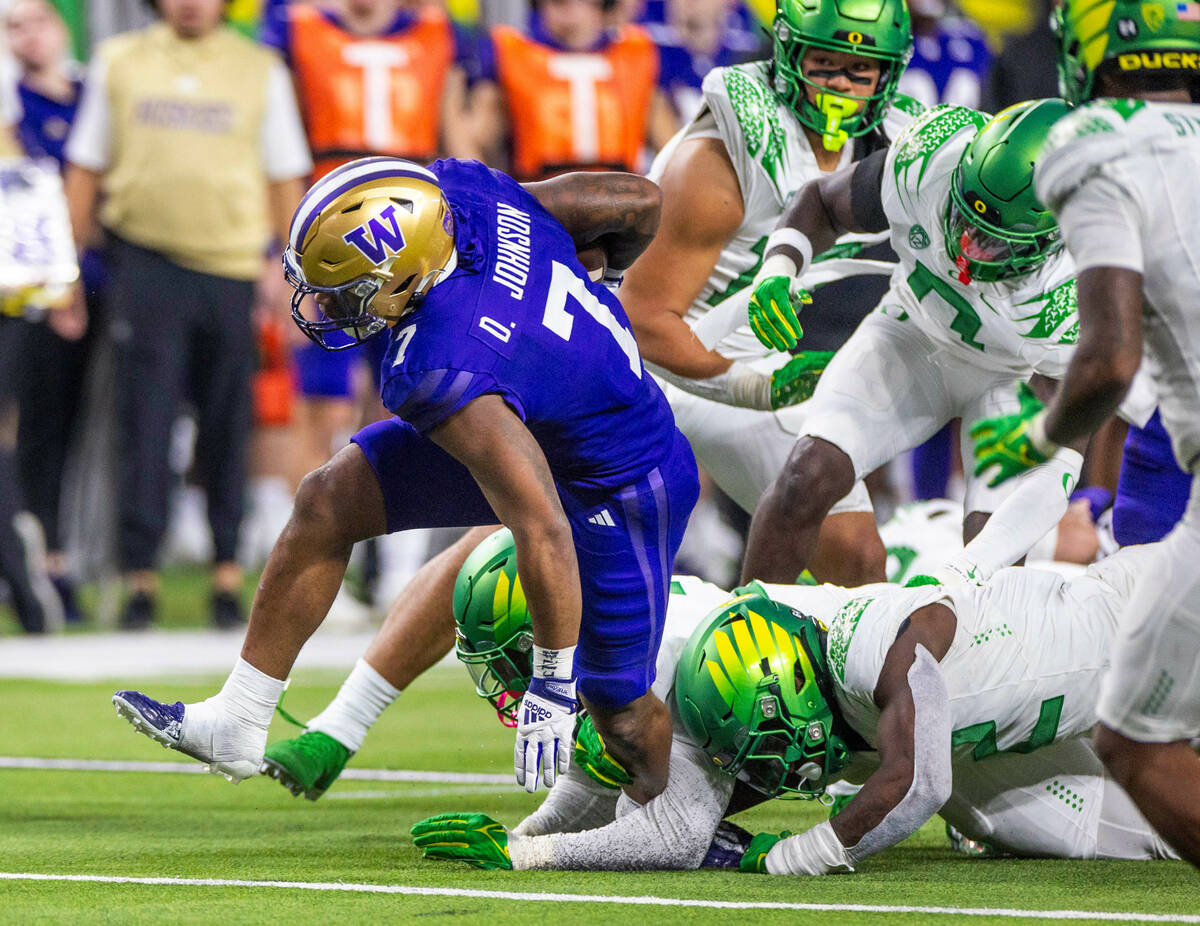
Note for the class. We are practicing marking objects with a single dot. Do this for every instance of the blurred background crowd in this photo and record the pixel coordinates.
(162, 409)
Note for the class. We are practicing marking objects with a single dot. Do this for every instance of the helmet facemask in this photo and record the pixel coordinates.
(989, 253)
(493, 630)
(995, 226)
(501, 672)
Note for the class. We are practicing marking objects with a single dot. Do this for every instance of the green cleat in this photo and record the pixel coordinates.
(306, 765)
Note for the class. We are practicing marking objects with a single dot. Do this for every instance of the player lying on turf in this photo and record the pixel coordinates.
(420, 630)
(975, 700)
(520, 399)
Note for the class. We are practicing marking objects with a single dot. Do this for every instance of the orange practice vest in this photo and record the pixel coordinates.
(370, 95)
(576, 109)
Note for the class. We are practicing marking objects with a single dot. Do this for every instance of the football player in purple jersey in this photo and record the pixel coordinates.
(521, 398)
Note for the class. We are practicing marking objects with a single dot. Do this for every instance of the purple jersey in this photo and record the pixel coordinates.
(45, 122)
(520, 319)
(1152, 490)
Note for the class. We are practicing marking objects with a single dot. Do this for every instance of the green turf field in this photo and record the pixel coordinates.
(143, 825)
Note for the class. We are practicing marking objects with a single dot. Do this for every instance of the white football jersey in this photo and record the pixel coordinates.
(772, 158)
(1028, 323)
(1028, 652)
(1122, 177)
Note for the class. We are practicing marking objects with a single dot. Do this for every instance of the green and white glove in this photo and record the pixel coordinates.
(1013, 443)
(773, 311)
(474, 838)
(594, 759)
(754, 860)
(795, 381)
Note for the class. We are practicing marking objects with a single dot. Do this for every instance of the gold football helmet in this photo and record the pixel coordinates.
(369, 241)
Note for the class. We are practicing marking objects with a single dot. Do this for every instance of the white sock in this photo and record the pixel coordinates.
(362, 698)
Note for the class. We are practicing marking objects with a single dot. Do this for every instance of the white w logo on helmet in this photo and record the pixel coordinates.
(374, 240)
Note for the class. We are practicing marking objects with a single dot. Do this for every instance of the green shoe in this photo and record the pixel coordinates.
(308, 764)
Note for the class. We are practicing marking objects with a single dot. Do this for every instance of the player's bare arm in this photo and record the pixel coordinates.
(1106, 358)
(615, 211)
(702, 209)
(905, 791)
(507, 462)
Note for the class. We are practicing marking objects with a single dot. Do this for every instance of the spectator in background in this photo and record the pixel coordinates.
(1027, 66)
(192, 135)
(569, 93)
(373, 77)
(950, 56)
(698, 35)
(56, 348)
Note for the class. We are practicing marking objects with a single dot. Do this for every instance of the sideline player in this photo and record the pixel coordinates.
(1120, 173)
(767, 703)
(982, 298)
(826, 98)
(521, 399)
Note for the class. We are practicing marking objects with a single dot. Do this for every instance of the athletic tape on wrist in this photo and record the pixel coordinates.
(792, 238)
(1036, 432)
(553, 663)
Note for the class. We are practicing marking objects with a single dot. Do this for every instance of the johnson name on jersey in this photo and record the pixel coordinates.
(1011, 325)
(1121, 176)
(772, 158)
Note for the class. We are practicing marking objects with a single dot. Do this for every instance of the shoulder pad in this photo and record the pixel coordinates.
(900, 115)
(1081, 143)
(742, 95)
(928, 134)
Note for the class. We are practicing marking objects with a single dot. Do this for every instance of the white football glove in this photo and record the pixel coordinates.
(545, 724)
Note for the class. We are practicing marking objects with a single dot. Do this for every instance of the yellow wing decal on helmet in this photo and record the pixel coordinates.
(1092, 29)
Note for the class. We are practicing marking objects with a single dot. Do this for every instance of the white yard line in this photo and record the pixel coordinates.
(406, 793)
(647, 901)
(193, 768)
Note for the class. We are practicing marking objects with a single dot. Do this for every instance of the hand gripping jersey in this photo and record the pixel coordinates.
(370, 95)
(576, 109)
(1138, 211)
(772, 158)
(519, 318)
(1027, 323)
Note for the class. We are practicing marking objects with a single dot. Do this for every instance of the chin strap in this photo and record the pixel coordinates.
(836, 110)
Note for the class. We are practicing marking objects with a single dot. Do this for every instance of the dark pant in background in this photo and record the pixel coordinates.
(178, 335)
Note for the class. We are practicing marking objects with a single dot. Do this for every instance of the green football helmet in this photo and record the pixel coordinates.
(874, 28)
(753, 688)
(493, 632)
(995, 226)
(1155, 45)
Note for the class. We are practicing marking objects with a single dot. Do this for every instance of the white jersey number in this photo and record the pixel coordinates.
(565, 284)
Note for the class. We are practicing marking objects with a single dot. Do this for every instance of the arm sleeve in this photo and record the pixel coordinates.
(866, 193)
(285, 152)
(673, 831)
(1029, 512)
(90, 142)
(818, 851)
(932, 777)
(575, 803)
